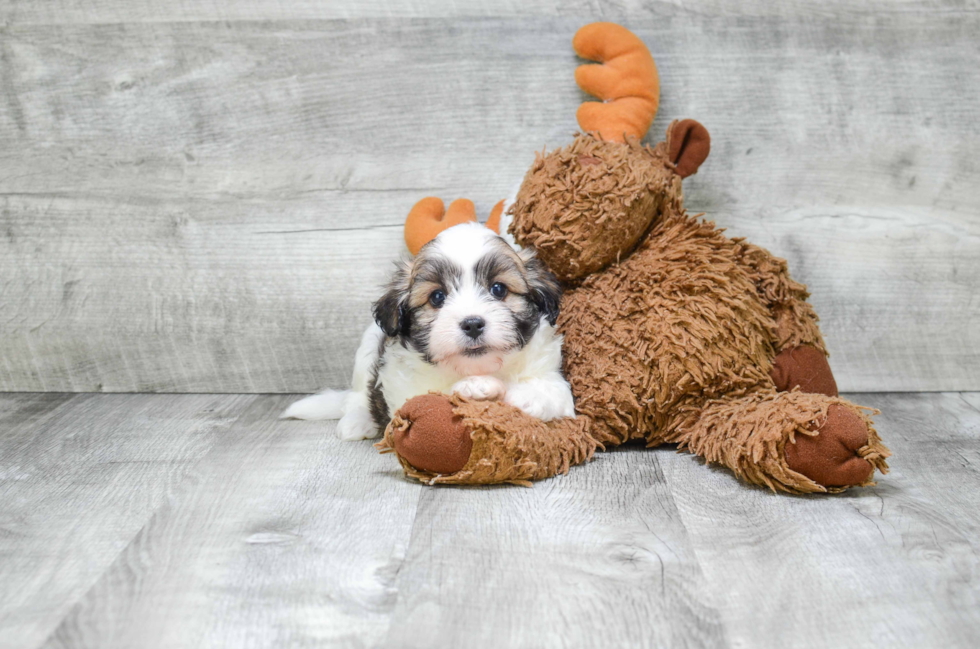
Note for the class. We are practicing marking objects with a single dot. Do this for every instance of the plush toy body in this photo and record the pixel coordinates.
(673, 332)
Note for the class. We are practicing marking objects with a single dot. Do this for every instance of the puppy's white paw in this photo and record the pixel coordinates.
(544, 402)
(481, 388)
(356, 424)
(530, 403)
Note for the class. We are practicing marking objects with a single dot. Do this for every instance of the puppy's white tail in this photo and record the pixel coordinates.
(329, 404)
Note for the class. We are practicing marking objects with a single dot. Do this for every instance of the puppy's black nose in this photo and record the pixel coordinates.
(473, 326)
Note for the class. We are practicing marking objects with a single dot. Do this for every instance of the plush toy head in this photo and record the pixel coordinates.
(612, 188)
(609, 194)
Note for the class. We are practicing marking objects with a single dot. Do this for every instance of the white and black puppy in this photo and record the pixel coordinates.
(470, 315)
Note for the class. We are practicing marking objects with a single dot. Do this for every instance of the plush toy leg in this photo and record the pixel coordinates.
(801, 359)
(448, 439)
(796, 321)
(803, 367)
(787, 441)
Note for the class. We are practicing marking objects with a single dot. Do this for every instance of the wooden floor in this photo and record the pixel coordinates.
(203, 520)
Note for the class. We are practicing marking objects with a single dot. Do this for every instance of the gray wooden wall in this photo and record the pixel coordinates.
(197, 197)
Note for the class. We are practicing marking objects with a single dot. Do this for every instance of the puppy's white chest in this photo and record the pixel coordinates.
(404, 374)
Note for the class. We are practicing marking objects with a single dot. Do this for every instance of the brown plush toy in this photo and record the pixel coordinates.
(674, 333)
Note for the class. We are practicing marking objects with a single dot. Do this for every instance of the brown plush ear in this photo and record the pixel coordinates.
(688, 144)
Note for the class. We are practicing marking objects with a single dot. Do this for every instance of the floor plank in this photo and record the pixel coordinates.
(596, 558)
(79, 476)
(281, 536)
(893, 565)
(140, 11)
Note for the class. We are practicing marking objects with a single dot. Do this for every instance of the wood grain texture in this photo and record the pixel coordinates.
(204, 196)
(79, 477)
(169, 520)
(21, 12)
(892, 565)
(596, 558)
(281, 536)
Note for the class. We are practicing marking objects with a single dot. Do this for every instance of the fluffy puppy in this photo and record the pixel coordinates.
(470, 315)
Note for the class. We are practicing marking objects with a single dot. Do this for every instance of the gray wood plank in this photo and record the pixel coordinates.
(139, 11)
(177, 198)
(596, 558)
(893, 565)
(249, 305)
(282, 536)
(79, 476)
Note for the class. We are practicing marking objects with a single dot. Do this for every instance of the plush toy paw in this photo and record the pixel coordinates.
(442, 439)
(435, 439)
(480, 388)
(805, 367)
(831, 457)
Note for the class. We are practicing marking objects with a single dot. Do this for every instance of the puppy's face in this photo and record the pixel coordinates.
(467, 300)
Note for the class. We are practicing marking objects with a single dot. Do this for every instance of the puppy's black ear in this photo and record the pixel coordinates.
(391, 310)
(545, 290)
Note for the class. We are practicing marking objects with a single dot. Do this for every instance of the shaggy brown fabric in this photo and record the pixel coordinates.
(508, 445)
(748, 433)
(586, 205)
(688, 145)
(796, 321)
(803, 367)
(678, 317)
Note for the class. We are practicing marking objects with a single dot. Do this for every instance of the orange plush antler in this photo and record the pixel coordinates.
(626, 82)
(493, 222)
(429, 217)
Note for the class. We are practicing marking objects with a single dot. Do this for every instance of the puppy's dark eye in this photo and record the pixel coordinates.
(498, 290)
(436, 298)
